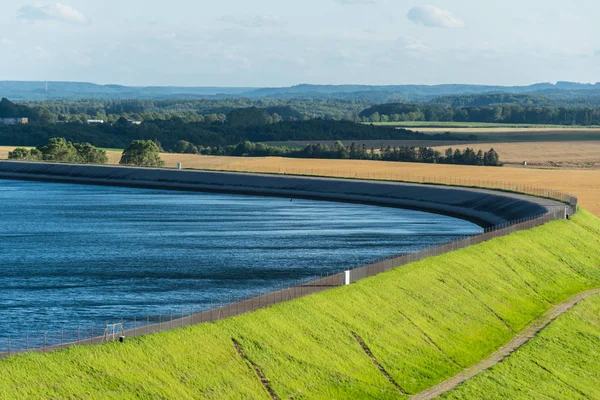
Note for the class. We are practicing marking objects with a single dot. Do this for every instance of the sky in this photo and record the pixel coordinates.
(270, 43)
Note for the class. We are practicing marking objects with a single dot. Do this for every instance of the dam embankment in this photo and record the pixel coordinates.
(484, 207)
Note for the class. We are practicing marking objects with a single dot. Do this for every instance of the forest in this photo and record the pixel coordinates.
(246, 124)
(493, 108)
(509, 114)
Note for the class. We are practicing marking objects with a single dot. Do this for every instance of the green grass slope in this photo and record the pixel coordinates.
(423, 323)
(562, 362)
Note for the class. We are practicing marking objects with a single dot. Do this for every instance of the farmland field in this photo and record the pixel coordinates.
(450, 311)
(543, 154)
(563, 361)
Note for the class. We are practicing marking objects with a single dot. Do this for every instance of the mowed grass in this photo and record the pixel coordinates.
(562, 362)
(423, 322)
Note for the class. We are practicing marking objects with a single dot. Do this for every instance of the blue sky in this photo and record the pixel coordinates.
(286, 42)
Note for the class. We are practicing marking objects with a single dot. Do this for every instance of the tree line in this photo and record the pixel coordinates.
(63, 151)
(495, 108)
(147, 153)
(351, 152)
(510, 114)
(139, 152)
(168, 133)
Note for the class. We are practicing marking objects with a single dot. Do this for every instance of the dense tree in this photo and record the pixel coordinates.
(19, 153)
(142, 153)
(60, 150)
(89, 154)
(504, 113)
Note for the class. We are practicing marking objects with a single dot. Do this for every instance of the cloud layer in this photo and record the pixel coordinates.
(57, 12)
(434, 17)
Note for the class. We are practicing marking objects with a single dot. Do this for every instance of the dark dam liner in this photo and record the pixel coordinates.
(484, 207)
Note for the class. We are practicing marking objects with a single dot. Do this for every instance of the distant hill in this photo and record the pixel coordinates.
(17, 90)
(379, 94)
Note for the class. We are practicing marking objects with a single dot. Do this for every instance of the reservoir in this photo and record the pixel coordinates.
(77, 256)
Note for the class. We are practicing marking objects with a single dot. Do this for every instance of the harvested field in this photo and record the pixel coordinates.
(543, 154)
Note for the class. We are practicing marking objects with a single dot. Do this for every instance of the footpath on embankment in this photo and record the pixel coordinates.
(485, 207)
(506, 350)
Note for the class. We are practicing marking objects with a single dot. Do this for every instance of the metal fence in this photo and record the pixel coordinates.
(143, 325)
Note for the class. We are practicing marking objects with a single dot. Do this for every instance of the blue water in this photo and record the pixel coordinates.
(74, 255)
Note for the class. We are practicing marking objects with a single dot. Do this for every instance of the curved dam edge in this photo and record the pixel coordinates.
(483, 207)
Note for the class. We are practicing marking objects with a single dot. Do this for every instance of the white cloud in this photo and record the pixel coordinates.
(5, 41)
(434, 17)
(56, 12)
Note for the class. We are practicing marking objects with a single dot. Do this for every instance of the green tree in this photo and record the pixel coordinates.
(142, 153)
(89, 154)
(19, 153)
(184, 146)
(251, 116)
(59, 150)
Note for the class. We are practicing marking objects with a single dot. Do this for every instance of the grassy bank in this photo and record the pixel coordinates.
(423, 323)
(563, 361)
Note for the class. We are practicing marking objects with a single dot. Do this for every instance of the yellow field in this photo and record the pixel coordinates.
(543, 154)
(583, 183)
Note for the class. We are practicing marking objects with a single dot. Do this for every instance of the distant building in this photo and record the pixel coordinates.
(95, 121)
(14, 121)
(134, 122)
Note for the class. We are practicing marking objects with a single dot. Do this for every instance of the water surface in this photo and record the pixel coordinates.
(75, 255)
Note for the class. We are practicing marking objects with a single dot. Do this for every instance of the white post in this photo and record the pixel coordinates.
(178, 165)
(346, 278)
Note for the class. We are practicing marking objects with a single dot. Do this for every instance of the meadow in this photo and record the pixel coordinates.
(449, 311)
(563, 361)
